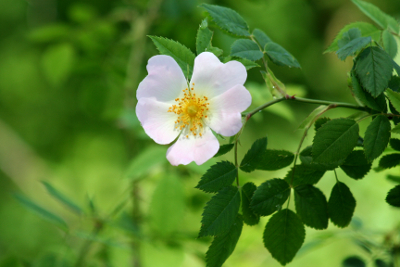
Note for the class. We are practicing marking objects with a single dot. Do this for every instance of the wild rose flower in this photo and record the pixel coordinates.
(168, 107)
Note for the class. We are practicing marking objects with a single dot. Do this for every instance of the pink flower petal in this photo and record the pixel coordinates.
(225, 110)
(165, 81)
(212, 78)
(157, 122)
(197, 149)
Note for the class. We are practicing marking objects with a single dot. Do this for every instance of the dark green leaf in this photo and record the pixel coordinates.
(394, 98)
(249, 217)
(353, 261)
(393, 178)
(396, 129)
(382, 19)
(254, 155)
(381, 263)
(62, 198)
(204, 36)
(223, 245)
(356, 165)
(218, 176)
(311, 206)
(349, 36)
(389, 43)
(224, 149)
(352, 47)
(376, 137)
(395, 143)
(270, 196)
(341, 205)
(182, 55)
(220, 212)
(261, 37)
(248, 63)
(396, 67)
(274, 160)
(246, 49)
(389, 161)
(228, 19)
(374, 69)
(393, 197)
(366, 98)
(320, 122)
(306, 159)
(304, 174)
(280, 56)
(334, 141)
(42, 212)
(283, 235)
(367, 29)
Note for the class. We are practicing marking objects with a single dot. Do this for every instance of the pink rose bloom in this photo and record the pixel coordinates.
(169, 108)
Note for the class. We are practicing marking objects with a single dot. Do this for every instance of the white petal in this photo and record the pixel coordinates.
(157, 122)
(225, 110)
(197, 149)
(165, 81)
(212, 78)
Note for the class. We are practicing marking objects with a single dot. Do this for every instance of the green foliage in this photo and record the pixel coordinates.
(249, 217)
(146, 161)
(341, 205)
(389, 43)
(389, 161)
(279, 56)
(396, 129)
(311, 206)
(353, 261)
(182, 55)
(393, 178)
(248, 63)
(356, 165)
(382, 19)
(203, 40)
(270, 196)
(394, 98)
(224, 149)
(228, 20)
(220, 212)
(62, 198)
(320, 122)
(218, 176)
(272, 160)
(57, 63)
(374, 69)
(254, 155)
(351, 42)
(393, 197)
(307, 123)
(334, 141)
(223, 245)
(246, 49)
(261, 37)
(42, 212)
(304, 174)
(283, 235)
(395, 143)
(376, 137)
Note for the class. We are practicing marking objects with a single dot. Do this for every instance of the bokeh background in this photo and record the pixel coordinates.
(68, 75)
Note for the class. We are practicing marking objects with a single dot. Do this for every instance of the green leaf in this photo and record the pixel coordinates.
(147, 161)
(220, 212)
(249, 217)
(246, 49)
(374, 69)
(389, 43)
(270, 196)
(311, 117)
(396, 129)
(228, 19)
(396, 67)
(182, 55)
(394, 98)
(348, 36)
(366, 29)
(223, 245)
(57, 62)
(39, 210)
(272, 160)
(254, 155)
(62, 198)
(167, 205)
(393, 197)
(353, 46)
(356, 165)
(389, 161)
(283, 235)
(261, 37)
(320, 122)
(224, 149)
(204, 36)
(378, 16)
(376, 137)
(304, 174)
(341, 205)
(334, 141)
(395, 143)
(311, 206)
(353, 261)
(218, 176)
(393, 178)
(280, 56)
(366, 98)
(248, 63)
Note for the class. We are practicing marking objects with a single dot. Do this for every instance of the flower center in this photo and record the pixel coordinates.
(191, 111)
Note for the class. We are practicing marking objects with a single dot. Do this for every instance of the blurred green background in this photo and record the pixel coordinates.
(68, 75)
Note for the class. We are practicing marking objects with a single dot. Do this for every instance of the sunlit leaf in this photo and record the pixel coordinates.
(341, 205)
(218, 176)
(376, 137)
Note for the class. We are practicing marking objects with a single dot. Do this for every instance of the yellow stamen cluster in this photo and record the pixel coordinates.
(191, 111)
